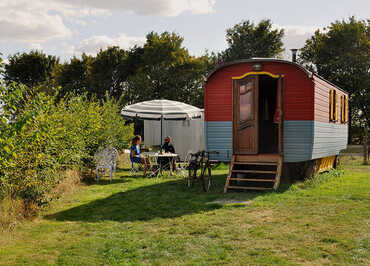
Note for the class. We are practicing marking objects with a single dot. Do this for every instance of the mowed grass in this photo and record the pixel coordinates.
(158, 221)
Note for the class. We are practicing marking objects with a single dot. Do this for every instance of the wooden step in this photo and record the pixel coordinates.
(254, 171)
(257, 163)
(261, 160)
(258, 158)
(252, 179)
(250, 188)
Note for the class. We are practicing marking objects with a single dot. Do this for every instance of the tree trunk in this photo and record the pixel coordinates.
(349, 141)
(366, 154)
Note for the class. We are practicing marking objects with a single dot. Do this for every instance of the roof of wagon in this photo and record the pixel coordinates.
(273, 60)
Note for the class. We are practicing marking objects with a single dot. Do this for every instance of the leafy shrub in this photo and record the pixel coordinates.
(41, 138)
(322, 178)
(97, 124)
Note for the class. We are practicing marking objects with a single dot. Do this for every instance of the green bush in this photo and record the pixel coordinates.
(97, 124)
(41, 138)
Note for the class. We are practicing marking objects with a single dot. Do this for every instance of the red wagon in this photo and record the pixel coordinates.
(266, 115)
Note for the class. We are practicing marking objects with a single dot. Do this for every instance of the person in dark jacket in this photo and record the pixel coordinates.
(168, 147)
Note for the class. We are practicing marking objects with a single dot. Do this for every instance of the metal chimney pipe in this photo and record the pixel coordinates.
(294, 55)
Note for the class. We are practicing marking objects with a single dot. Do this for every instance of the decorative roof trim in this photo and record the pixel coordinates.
(262, 60)
(258, 73)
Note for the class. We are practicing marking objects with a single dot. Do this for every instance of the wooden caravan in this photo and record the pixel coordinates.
(263, 114)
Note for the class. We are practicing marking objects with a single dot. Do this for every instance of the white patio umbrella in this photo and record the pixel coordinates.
(161, 110)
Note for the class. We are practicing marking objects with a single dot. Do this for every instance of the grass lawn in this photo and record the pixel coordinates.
(137, 221)
(354, 149)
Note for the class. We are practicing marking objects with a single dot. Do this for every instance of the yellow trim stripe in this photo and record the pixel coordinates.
(346, 109)
(336, 105)
(342, 108)
(258, 73)
(331, 103)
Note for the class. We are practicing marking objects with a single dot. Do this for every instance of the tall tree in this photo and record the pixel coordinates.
(105, 72)
(31, 69)
(74, 76)
(246, 40)
(341, 54)
(164, 69)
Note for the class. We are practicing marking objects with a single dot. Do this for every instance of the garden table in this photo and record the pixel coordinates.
(153, 157)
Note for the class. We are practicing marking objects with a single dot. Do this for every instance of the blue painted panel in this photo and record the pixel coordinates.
(218, 136)
(308, 140)
(329, 140)
(298, 140)
(303, 140)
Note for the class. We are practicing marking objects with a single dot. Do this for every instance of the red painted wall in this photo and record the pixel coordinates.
(298, 91)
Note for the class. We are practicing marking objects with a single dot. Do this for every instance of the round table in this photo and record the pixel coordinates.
(161, 155)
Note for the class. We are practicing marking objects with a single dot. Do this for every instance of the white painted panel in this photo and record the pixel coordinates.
(186, 135)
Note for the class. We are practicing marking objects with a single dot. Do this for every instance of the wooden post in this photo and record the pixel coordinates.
(366, 154)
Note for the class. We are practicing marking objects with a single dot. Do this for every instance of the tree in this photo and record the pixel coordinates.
(74, 76)
(30, 69)
(341, 54)
(105, 72)
(164, 69)
(246, 40)
(1, 65)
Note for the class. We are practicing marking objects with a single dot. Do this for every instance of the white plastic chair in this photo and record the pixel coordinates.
(182, 166)
(106, 159)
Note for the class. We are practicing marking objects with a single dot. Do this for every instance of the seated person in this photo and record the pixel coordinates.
(168, 147)
(135, 156)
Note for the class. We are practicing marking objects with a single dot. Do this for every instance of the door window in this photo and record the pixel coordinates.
(246, 100)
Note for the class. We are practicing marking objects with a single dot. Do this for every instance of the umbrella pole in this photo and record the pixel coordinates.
(161, 131)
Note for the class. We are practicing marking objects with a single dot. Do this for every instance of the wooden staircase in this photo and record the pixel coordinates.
(254, 172)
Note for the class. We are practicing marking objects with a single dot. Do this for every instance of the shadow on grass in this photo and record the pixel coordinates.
(103, 182)
(161, 200)
(120, 177)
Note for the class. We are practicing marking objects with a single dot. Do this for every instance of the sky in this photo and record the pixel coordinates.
(67, 28)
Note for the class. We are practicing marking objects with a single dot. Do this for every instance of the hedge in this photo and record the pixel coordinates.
(42, 136)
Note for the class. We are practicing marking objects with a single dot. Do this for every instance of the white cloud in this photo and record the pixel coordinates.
(38, 21)
(93, 44)
(146, 7)
(295, 37)
(36, 46)
(28, 21)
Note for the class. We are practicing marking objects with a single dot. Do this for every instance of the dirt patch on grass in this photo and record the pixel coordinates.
(229, 201)
(264, 215)
(69, 184)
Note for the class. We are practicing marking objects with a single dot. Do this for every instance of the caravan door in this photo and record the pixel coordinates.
(245, 115)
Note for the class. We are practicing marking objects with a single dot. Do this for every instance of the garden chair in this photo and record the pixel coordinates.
(106, 159)
(182, 167)
(135, 167)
